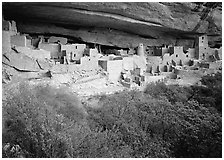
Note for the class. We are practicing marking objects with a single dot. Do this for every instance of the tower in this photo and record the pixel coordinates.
(202, 48)
(140, 50)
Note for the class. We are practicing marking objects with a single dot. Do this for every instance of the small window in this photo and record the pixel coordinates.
(45, 39)
(176, 55)
(76, 47)
(186, 55)
(202, 37)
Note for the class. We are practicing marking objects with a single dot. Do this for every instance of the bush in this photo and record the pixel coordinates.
(209, 95)
(173, 93)
(38, 120)
(200, 135)
(164, 121)
(122, 114)
(158, 127)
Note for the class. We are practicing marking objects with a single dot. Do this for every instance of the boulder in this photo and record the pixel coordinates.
(20, 62)
(39, 54)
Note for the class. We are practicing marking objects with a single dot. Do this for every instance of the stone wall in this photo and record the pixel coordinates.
(93, 52)
(76, 50)
(61, 68)
(150, 79)
(191, 52)
(153, 63)
(89, 63)
(160, 51)
(54, 39)
(6, 25)
(54, 49)
(140, 62)
(9, 26)
(6, 41)
(103, 64)
(128, 63)
(114, 69)
(178, 56)
(19, 40)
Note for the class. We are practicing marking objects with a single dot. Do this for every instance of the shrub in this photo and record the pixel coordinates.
(173, 93)
(161, 122)
(209, 95)
(38, 120)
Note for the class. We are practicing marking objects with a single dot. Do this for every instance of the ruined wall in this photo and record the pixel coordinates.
(150, 79)
(29, 43)
(140, 62)
(6, 41)
(61, 68)
(9, 26)
(191, 52)
(19, 40)
(6, 25)
(89, 63)
(178, 56)
(150, 51)
(219, 53)
(93, 52)
(215, 65)
(128, 63)
(54, 39)
(13, 27)
(176, 49)
(165, 50)
(35, 41)
(103, 63)
(161, 51)
(166, 59)
(153, 63)
(157, 52)
(123, 52)
(76, 50)
(114, 69)
(164, 63)
(54, 49)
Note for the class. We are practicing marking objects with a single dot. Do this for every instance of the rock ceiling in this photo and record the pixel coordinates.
(121, 24)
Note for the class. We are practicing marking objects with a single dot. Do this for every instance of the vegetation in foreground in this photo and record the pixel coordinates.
(164, 121)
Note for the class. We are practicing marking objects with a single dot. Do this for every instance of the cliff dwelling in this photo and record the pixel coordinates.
(126, 57)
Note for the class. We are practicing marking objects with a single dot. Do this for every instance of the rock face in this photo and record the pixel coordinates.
(20, 62)
(123, 24)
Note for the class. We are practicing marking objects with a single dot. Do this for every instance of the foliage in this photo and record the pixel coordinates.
(209, 95)
(163, 121)
(173, 93)
(38, 120)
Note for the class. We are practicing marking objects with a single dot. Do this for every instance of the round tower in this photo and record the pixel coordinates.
(140, 50)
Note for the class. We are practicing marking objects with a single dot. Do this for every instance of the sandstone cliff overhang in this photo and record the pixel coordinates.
(122, 24)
